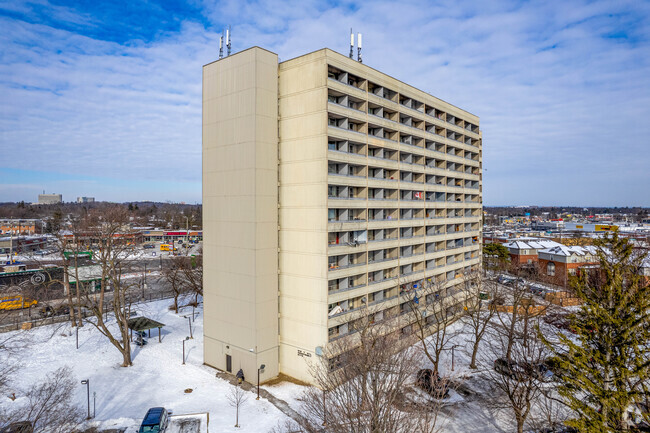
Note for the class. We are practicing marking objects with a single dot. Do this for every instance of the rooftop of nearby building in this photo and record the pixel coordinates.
(532, 244)
(563, 250)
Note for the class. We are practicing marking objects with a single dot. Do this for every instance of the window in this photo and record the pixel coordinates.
(550, 269)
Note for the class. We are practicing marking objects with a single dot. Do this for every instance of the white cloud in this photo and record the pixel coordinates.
(563, 107)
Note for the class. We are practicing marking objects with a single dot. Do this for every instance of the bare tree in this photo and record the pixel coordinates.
(519, 305)
(193, 274)
(515, 362)
(479, 300)
(184, 275)
(431, 309)
(64, 248)
(236, 397)
(173, 276)
(8, 360)
(362, 382)
(549, 412)
(109, 233)
(49, 407)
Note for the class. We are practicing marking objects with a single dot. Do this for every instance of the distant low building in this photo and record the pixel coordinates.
(161, 235)
(552, 225)
(589, 228)
(85, 199)
(50, 198)
(22, 244)
(20, 226)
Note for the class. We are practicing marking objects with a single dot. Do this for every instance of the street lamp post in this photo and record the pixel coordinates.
(189, 321)
(186, 338)
(87, 383)
(258, 380)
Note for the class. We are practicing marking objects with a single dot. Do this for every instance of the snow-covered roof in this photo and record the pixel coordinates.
(86, 273)
(563, 250)
(532, 244)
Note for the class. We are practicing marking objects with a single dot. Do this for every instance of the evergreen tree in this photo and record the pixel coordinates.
(603, 371)
(495, 255)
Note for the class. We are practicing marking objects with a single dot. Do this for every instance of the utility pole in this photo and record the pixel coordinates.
(11, 244)
(187, 230)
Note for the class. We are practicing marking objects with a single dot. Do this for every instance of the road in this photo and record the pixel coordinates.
(141, 271)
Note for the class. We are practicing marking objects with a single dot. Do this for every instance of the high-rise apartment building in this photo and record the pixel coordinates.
(327, 186)
(50, 198)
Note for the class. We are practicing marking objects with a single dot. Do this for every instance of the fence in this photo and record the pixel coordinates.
(29, 318)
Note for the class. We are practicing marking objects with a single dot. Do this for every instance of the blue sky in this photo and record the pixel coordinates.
(104, 98)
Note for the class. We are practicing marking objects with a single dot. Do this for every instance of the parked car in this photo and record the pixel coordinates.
(18, 427)
(509, 368)
(148, 246)
(541, 371)
(155, 421)
(432, 383)
(559, 320)
(49, 311)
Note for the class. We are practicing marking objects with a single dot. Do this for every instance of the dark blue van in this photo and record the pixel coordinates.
(155, 421)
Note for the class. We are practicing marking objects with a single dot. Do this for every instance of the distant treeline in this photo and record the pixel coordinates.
(164, 215)
(636, 213)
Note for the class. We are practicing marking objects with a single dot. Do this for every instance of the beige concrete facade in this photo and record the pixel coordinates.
(378, 186)
(240, 196)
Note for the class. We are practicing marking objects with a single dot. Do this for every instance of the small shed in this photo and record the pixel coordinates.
(139, 324)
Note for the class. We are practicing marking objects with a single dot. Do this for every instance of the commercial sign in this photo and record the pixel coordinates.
(604, 228)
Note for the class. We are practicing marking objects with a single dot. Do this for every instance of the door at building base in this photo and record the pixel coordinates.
(229, 363)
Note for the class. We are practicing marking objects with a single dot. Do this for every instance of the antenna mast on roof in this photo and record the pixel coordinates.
(359, 48)
(221, 45)
(351, 44)
(228, 39)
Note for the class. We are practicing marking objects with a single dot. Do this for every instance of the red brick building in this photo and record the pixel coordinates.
(525, 252)
(559, 262)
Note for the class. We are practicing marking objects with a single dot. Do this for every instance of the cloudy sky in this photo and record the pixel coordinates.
(103, 99)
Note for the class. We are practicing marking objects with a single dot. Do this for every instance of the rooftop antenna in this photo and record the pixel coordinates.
(351, 44)
(228, 39)
(359, 48)
(221, 45)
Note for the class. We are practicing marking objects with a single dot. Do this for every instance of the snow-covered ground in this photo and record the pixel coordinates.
(157, 377)
(138, 253)
(471, 405)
